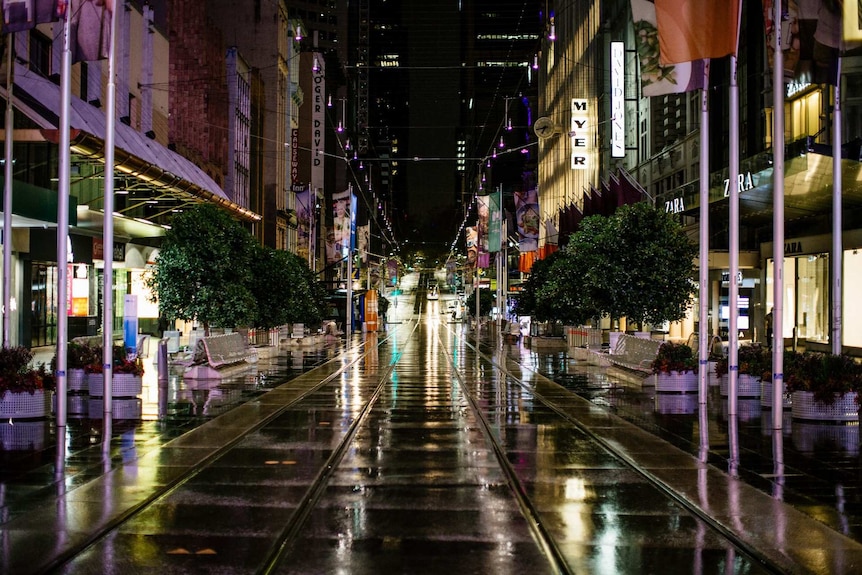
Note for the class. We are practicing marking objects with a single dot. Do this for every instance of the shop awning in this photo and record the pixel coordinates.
(807, 190)
(35, 206)
(135, 154)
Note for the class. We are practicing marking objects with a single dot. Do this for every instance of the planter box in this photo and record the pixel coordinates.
(24, 405)
(76, 379)
(843, 410)
(747, 385)
(675, 381)
(766, 395)
(123, 385)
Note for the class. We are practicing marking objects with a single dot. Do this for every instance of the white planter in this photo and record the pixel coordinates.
(675, 381)
(747, 385)
(76, 379)
(766, 395)
(123, 385)
(844, 409)
(24, 405)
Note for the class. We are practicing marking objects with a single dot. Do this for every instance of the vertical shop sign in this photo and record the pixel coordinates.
(618, 112)
(318, 123)
(578, 134)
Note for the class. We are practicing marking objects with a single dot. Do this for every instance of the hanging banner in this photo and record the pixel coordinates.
(333, 254)
(304, 211)
(810, 40)
(472, 240)
(363, 237)
(527, 219)
(392, 272)
(21, 15)
(451, 267)
(495, 224)
(341, 222)
(483, 207)
(691, 30)
(656, 78)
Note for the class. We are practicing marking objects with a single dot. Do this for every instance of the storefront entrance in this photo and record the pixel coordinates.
(43, 304)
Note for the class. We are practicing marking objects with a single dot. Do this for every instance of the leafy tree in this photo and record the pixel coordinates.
(204, 269)
(649, 271)
(285, 289)
(487, 300)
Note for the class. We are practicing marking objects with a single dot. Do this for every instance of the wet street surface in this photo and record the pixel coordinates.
(416, 450)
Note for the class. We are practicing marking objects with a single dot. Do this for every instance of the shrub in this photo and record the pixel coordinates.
(16, 374)
(674, 357)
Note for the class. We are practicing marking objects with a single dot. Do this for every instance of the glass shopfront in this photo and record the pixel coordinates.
(806, 297)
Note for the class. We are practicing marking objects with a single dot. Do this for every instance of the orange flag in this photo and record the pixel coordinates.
(696, 29)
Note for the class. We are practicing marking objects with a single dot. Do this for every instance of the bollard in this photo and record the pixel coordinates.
(163, 362)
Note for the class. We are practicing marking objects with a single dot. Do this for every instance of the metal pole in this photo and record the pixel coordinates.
(837, 243)
(64, 159)
(703, 278)
(778, 226)
(108, 231)
(7, 194)
(733, 333)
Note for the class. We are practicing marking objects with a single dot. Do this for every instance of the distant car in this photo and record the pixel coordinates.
(432, 293)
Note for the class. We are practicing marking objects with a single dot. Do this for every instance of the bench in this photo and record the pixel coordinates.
(220, 356)
(634, 353)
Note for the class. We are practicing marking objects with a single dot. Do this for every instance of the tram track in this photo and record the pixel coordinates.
(56, 563)
(723, 530)
(324, 435)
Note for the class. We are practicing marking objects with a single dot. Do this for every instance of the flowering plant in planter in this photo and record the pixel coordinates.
(674, 357)
(120, 363)
(827, 376)
(753, 360)
(79, 356)
(17, 376)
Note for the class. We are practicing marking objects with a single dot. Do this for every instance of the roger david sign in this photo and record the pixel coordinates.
(318, 123)
(579, 134)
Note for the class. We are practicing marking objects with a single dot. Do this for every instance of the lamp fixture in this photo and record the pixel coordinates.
(316, 66)
(298, 35)
(536, 62)
(502, 143)
(329, 99)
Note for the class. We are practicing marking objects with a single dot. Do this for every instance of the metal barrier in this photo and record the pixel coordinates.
(589, 337)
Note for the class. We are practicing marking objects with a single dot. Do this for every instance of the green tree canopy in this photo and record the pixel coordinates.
(649, 271)
(487, 300)
(637, 263)
(285, 289)
(204, 269)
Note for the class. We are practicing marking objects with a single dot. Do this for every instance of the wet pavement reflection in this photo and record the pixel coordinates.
(415, 450)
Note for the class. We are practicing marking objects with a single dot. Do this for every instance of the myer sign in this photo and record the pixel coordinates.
(578, 134)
